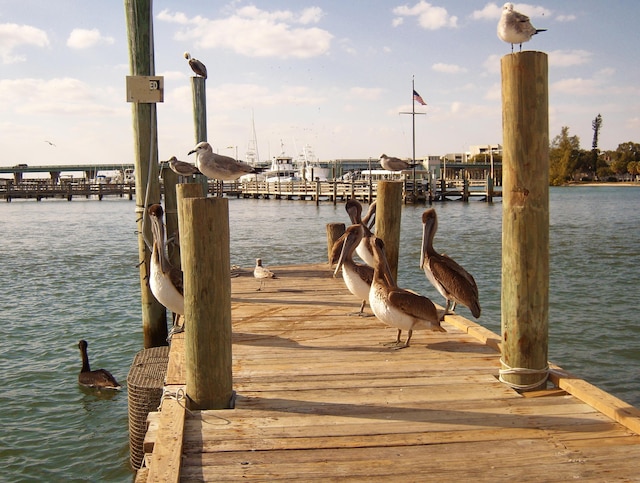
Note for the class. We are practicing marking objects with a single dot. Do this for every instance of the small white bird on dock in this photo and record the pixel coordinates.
(262, 273)
(196, 66)
(182, 168)
(395, 164)
(165, 280)
(515, 27)
(357, 277)
(217, 166)
(398, 307)
(354, 210)
(98, 379)
(453, 282)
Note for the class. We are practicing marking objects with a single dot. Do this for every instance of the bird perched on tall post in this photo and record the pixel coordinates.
(453, 282)
(217, 166)
(395, 164)
(196, 66)
(515, 27)
(99, 378)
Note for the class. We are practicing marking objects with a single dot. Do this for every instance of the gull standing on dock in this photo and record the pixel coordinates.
(217, 166)
(262, 273)
(453, 282)
(182, 168)
(100, 378)
(357, 277)
(515, 27)
(395, 164)
(196, 66)
(396, 306)
(165, 280)
(354, 210)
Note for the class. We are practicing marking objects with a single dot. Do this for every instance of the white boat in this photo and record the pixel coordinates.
(282, 170)
(310, 168)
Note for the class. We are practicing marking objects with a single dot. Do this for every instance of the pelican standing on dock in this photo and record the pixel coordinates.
(396, 306)
(453, 282)
(165, 280)
(515, 27)
(196, 66)
(357, 277)
(262, 273)
(395, 164)
(354, 210)
(217, 166)
(100, 378)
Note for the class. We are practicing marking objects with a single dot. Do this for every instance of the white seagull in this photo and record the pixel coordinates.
(217, 166)
(182, 168)
(515, 27)
(395, 164)
(262, 273)
(196, 66)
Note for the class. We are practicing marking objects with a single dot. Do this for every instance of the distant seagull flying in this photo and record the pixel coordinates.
(49, 143)
(395, 164)
(515, 27)
(196, 66)
(182, 168)
(217, 166)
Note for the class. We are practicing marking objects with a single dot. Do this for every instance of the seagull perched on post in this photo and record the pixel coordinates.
(395, 164)
(196, 66)
(182, 168)
(217, 166)
(515, 27)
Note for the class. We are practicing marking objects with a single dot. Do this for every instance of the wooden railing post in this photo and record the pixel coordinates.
(204, 244)
(388, 216)
(525, 220)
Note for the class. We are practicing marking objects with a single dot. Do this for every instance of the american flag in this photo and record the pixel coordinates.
(417, 97)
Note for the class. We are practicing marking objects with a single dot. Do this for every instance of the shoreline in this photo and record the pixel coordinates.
(604, 183)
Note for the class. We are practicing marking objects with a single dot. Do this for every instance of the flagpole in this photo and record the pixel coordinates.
(413, 125)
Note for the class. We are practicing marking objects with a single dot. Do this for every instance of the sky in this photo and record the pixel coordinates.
(332, 74)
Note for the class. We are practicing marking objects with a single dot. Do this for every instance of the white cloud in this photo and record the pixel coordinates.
(13, 35)
(254, 32)
(429, 16)
(366, 93)
(85, 39)
(566, 58)
(566, 18)
(493, 11)
(448, 68)
(579, 86)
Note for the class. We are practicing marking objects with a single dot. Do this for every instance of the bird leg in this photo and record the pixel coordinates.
(396, 343)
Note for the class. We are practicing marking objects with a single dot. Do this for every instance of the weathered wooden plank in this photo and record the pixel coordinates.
(167, 452)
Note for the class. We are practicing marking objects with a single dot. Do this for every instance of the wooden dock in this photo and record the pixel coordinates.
(44, 189)
(319, 397)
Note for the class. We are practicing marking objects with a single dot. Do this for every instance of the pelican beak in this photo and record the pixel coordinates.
(423, 246)
(342, 255)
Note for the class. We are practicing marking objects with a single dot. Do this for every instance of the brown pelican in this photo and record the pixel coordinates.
(262, 273)
(354, 210)
(515, 27)
(357, 277)
(182, 168)
(100, 378)
(165, 280)
(196, 66)
(395, 164)
(453, 282)
(396, 306)
(217, 166)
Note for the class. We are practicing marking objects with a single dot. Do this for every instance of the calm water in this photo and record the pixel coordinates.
(55, 255)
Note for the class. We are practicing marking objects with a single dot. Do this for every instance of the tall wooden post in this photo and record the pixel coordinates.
(334, 231)
(525, 220)
(170, 181)
(388, 216)
(204, 243)
(199, 93)
(139, 17)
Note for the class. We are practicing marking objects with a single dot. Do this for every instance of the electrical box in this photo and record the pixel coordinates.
(146, 89)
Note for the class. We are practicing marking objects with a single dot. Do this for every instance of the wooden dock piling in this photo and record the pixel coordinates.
(139, 18)
(199, 94)
(334, 231)
(525, 220)
(204, 241)
(388, 217)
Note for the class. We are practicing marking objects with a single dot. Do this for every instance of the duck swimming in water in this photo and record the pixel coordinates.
(98, 379)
